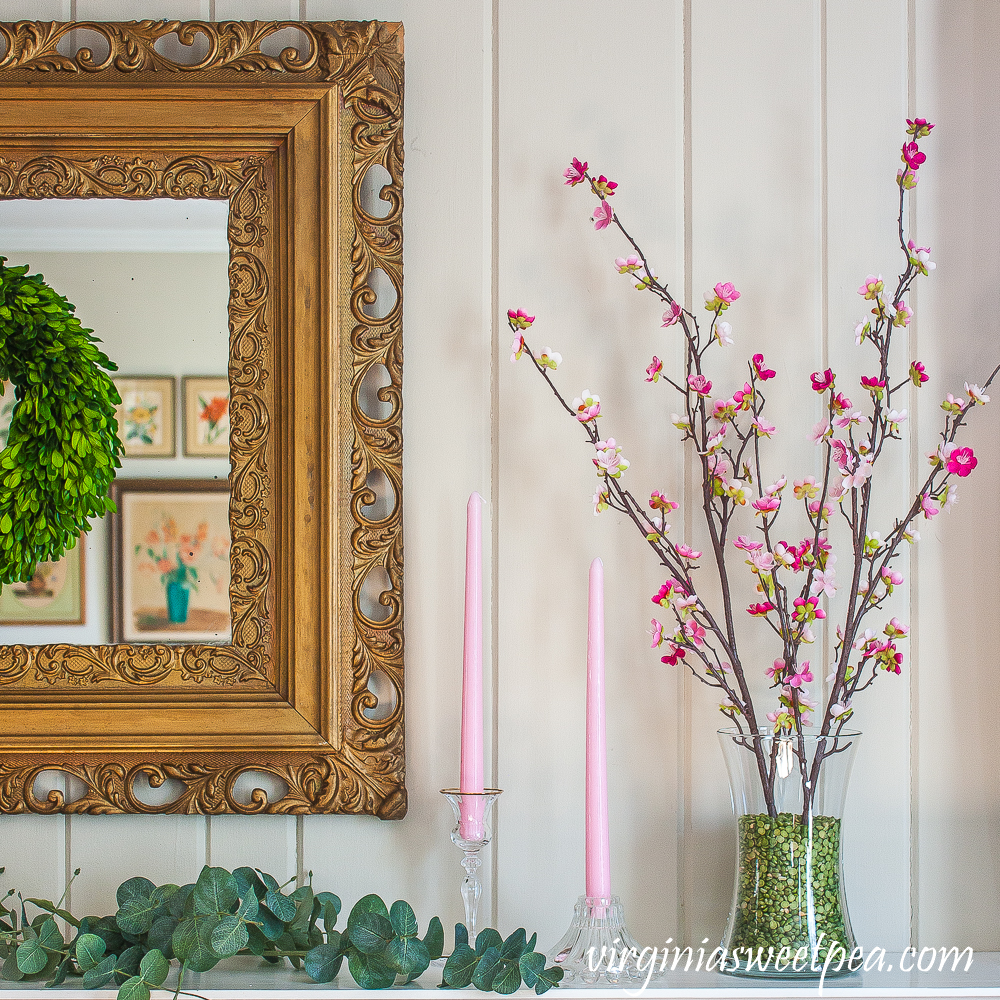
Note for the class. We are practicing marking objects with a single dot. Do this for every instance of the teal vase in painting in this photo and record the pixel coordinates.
(177, 601)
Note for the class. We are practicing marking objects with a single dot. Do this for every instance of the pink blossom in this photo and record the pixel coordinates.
(656, 632)
(575, 172)
(659, 502)
(814, 508)
(695, 632)
(855, 417)
(841, 403)
(820, 431)
(653, 370)
(976, 395)
(920, 258)
(763, 427)
(927, 506)
(766, 505)
(907, 179)
(673, 314)
(519, 319)
(760, 610)
(548, 358)
(777, 486)
(761, 560)
(824, 582)
(872, 286)
(676, 653)
(903, 315)
(776, 669)
(686, 552)
(601, 499)
(890, 577)
(912, 156)
(841, 455)
(841, 709)
(822, 382)
(726, 292)
(858, 477)
(918, 127)
(625, 265)
(587, 406)
(804, 488)
(762, 373)
(950, 496)
(806, 609)
(604, 186)
(667, 592)
(723, 333)
(743, 398)
(861, 329)
(603, 215)
(715, 440)
(700, 384)
(962, 462)
(723, 410)
(804, 676)
(896, 629)
(609, 461)
(517, 348)
(747, 544)
(872, 383)
(953, 404)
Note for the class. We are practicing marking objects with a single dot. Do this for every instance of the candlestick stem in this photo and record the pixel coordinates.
(472, 889)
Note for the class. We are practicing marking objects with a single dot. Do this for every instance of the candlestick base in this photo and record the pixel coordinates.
(598, 948)
(472, 832)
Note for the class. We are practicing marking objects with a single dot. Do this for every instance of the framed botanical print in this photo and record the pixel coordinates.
(206, 416)
(55, 595)
(170, 566)
(146, 416)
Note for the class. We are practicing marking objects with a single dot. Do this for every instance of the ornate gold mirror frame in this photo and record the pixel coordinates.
(288, 140)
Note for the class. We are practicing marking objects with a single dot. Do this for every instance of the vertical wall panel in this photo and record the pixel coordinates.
(958, 86)
(755, 126)
(609, 93)
(867, 70)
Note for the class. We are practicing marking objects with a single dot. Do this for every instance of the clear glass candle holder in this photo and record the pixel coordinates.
(598, 948)
(472, 832)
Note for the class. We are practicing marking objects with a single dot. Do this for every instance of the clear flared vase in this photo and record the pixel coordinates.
(789, 916)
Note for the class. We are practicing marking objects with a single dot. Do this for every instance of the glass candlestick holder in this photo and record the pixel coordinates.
(472, 832)
(598, 948)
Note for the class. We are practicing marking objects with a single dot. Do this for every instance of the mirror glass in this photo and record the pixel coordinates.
(151, 279)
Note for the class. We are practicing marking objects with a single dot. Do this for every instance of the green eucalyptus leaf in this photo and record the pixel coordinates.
(10, 971)
(488, 938)
(269, 881)
(31, 956)
(434, 939)
(530, 964)
(408, 956)
(215, 891)
(101, 974)
(271, 927)
(328, 897)
(257, 943)
(486, 969)
(508, 977)
(136, 916)
(530, 946)
(229, 936)
(62, 970)
(248, 908)
(161, 935)
(548, 978)
(128, 963)
(192, 943)
(461, 965)
(513, 947)
(134, 888)
(154, 967)
(179, 900)
(403, 919)
(281, 906)
(369, 971)
(249, 883)
(371, 903)
(369, 932)
(90, 950)
(323, 963)
(329, 916)
(133, 989)
(461, 934)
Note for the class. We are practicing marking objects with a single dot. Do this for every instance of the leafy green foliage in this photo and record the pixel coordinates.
(498, 965)
(247, 911)
(63, 447)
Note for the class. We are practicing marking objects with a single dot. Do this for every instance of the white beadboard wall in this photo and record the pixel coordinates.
(755, 142)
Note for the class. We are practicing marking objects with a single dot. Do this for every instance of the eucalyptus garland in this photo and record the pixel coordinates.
(246, 911)
(62, 448)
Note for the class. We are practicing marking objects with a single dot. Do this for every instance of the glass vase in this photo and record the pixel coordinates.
(789, 914)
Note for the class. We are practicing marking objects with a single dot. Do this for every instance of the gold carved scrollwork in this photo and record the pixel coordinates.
(362, 771)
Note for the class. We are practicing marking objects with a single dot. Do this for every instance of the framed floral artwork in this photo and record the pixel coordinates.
(206, 416)
(55, 595)
(170, 567)
(146, 416)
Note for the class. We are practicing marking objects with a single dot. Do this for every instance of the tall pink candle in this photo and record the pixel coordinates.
(598, 845)
(471, 779)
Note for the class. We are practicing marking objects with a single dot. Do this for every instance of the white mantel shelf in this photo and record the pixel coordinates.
(244, 979)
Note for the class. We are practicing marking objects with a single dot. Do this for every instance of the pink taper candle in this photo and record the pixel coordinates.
(598, 846)
(471, 779)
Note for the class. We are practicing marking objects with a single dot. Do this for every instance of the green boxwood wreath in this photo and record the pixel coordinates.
(63, 447)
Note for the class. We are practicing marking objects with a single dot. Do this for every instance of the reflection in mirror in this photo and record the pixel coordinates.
(151, 279)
